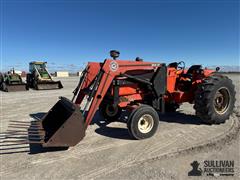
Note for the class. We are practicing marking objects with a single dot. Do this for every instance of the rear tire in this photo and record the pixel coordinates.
(214, 99)
(110, 113)
(143, 122)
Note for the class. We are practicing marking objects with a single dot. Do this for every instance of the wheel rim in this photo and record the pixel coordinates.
(111, 111)
(221, 100)
(145, 123)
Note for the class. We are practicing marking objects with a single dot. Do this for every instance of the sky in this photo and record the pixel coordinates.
(67, 34)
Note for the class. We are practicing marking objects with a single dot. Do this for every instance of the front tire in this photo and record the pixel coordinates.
(143, 122)
(214, 99)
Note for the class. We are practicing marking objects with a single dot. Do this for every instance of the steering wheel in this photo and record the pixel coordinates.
(181, 65)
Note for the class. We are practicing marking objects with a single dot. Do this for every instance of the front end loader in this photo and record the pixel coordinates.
(144, 89)
(11, 82)
(39, 78)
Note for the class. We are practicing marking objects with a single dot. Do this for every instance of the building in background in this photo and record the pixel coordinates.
(62, 74)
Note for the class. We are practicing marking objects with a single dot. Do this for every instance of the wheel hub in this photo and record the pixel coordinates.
(145, 123)
(111, 111)
(221, 100)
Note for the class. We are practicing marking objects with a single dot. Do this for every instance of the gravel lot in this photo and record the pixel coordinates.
(107, 152)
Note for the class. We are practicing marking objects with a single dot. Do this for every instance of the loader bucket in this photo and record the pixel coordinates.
(63, 125)
(15, 87)
(49, 85)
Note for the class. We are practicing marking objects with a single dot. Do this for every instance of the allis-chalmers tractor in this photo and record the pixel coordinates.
(143, 89)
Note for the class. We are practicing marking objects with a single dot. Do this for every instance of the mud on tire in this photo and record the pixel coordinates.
(214, 99)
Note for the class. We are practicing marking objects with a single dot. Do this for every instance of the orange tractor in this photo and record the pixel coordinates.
(143, 89)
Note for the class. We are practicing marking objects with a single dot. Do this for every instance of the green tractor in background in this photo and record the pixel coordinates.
(39, 78)
(12, 81)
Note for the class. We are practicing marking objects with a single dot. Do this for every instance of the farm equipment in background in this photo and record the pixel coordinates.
(39, 78)
(143, 89)
(11, 82)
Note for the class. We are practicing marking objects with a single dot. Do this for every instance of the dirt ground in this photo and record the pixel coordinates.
(107, 151)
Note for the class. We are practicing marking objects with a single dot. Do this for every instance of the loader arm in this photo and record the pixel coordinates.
(88, 77)
(109, 70)
(65, 124)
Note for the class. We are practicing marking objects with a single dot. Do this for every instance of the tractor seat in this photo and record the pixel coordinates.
(190, 71)
(194, 68)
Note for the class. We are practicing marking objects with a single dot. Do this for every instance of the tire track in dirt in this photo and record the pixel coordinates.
(219, 140)
(88, 148)
(215, 142)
